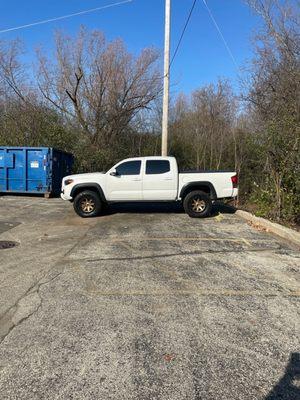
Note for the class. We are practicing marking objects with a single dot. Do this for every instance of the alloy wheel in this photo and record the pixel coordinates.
(198, 205)
(87, 205)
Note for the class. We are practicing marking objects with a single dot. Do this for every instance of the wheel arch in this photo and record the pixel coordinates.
(80, 187)
(206, 187)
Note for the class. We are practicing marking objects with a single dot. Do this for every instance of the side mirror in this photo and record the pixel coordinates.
(114, 173)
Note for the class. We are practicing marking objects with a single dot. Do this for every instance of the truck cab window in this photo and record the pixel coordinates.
(157, 167)
(129, 168)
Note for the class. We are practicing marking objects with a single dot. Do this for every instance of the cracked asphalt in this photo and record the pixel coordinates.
(145, 303)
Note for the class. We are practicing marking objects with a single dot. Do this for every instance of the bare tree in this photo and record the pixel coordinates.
(14, 83)
(99, 85)
(275, 96)
(204, 124)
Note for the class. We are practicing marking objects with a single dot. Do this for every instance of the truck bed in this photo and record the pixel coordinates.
(219, 181)
(201, 171)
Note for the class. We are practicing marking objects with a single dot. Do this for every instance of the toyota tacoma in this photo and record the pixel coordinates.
(149, 179)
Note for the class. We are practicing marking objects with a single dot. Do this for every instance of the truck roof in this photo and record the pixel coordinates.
(150, 158)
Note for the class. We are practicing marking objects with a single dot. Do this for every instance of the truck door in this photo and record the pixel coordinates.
(125, 182)
(159, 181)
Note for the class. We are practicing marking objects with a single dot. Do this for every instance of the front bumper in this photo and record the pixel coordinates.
(65, 196)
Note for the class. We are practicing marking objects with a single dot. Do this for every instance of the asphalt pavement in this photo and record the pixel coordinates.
(145, 303)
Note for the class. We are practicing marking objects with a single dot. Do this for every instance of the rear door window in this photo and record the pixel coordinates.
(154, 167)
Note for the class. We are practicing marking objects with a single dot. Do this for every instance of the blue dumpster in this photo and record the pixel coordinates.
(33, 169)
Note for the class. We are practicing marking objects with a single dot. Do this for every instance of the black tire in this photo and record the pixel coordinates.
(87, 204)
(197, 204)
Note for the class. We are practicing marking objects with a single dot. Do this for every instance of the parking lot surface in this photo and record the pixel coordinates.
(145, 303)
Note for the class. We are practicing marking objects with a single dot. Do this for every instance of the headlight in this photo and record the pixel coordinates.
(68, 181)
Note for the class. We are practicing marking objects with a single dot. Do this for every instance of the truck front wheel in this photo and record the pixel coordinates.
(87, 204)
(197, 204)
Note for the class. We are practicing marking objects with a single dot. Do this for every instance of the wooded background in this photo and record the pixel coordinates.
(98, 101)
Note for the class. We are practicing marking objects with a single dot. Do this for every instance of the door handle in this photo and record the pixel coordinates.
(168, 179)
(136, 179)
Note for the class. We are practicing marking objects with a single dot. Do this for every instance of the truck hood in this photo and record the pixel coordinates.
(85, 177)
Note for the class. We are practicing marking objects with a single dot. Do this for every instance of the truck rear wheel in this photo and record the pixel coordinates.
(197, 204)
(87, 204)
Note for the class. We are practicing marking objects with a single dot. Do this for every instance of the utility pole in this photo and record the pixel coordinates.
(165, 116)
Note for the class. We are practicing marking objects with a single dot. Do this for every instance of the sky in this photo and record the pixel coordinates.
(202, 57)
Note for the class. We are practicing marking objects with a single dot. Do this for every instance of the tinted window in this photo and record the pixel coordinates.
(157, 167)
(129, 168)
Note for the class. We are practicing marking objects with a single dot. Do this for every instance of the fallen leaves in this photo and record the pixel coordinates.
(257, 227)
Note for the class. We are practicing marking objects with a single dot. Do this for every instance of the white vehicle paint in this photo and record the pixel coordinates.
(150, 179)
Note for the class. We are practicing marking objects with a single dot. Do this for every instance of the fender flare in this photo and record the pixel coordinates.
(213, 194)
(88, 186)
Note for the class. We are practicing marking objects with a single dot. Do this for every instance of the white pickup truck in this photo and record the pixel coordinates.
(149, 179)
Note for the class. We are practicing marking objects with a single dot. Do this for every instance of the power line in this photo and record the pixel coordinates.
(221, 34)
(183, 32)
(46, 21)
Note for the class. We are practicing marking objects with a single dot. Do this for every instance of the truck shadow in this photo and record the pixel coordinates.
(161, 208)
(288, 387)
